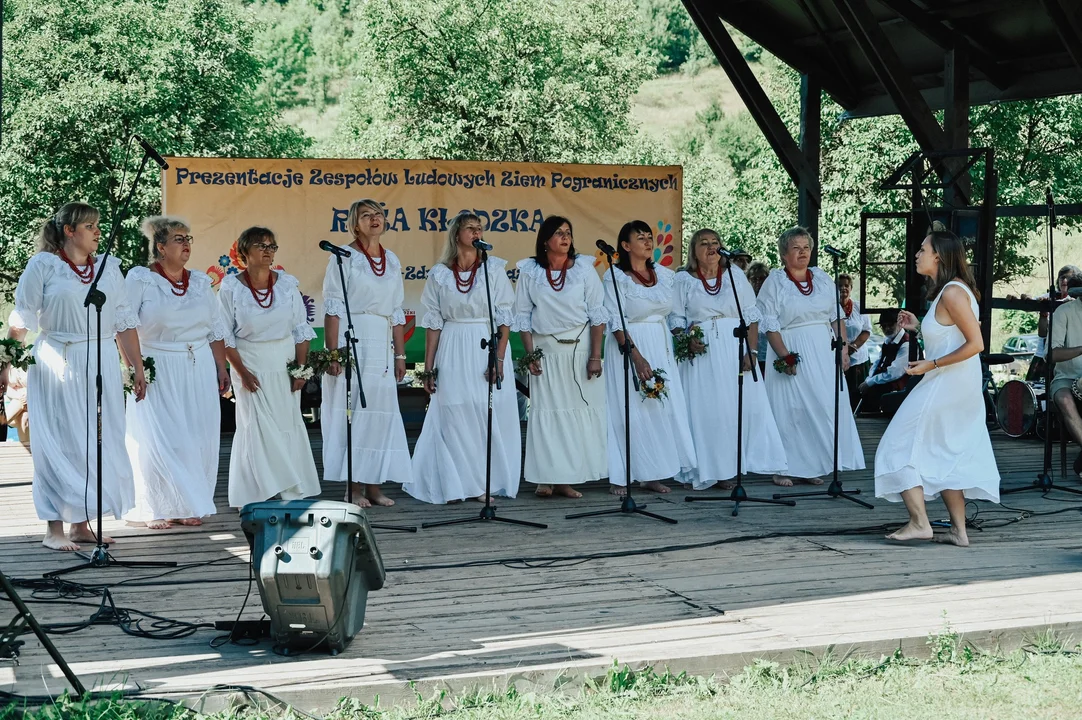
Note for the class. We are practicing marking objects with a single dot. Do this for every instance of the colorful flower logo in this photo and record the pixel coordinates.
(664, 250)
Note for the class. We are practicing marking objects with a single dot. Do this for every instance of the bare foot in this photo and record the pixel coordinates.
(80, 532)
(158, 524)
(543, 491)
(55, 541)
(810, 481)
(654, 486)
(782, 481)
(358, 499)
(909, 531)
(726, 485)
(190, 522)
(376, 496)
(482, 498)
(617, 490)
(567, 491)
(953, 537)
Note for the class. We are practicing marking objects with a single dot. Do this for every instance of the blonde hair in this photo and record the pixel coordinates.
(355, 211)
(792, 234)
(156, 230)
(51, 238)
(450, 251)
(692, 263)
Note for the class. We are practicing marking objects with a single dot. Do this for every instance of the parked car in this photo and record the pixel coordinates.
(1021, 346)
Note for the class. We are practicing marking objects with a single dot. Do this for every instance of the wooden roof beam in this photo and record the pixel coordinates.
(1068, 22)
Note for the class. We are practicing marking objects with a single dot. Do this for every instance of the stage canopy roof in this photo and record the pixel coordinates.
(1017, 49)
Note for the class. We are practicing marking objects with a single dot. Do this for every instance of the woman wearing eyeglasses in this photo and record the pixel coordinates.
(266, 329)
(449, 460)
(374, 283)
(172, 436)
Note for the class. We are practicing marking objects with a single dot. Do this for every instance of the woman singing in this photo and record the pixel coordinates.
(559, 310)
(61, 393)
(173, 435)
(374, 283)
(449, 459)
(266, 328)
(799, 307)
(937, 443)
(705, 298)
(661, 440)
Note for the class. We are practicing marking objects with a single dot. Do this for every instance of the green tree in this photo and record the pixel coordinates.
(670, 32)
(80, 76)
(518, 80)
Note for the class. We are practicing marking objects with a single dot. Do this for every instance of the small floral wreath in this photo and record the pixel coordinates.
(783, 363)
(422, 375)
(300, 372)
(128, 375)
(682, 344)
(654, 388)
(522, 365)
(320, 360)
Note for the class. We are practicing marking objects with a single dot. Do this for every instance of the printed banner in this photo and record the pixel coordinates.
(305, 201)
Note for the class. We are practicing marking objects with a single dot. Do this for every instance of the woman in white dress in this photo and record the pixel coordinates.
(559, 310)
(374, 282)
(661, 439)
(705, 298)
(266, 327)
(858, 328)
(449, 458)
(173, 435)
(799, 305)
(937, 443)
(61, 393)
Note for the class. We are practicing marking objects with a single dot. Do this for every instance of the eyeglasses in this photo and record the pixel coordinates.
(265, 247)
(183, 240)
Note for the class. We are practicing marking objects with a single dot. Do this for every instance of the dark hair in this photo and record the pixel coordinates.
(953, 264)
(889, 317)
(250, 237)
(1073, 281)
(635, 226)
(548, 228)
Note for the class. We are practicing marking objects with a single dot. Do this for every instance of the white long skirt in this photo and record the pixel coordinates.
(661, 445)
(711, 384)
(173, 435)
(449, 458)
(803, 405)
(271, 454)
(61, 399)
(380, 452)
(566, 438)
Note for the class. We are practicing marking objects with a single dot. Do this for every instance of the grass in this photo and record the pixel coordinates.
(956, 680)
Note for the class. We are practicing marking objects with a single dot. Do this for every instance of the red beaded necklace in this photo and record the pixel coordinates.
(560, 279)
(801, 285)
(706, 286)
(263, 298)
(646, 283)
(181, 285)
(379, 267)
(847, 305)
(464, 286)
(85, 273)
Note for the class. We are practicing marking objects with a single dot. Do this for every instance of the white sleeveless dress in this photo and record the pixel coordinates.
(938, 439)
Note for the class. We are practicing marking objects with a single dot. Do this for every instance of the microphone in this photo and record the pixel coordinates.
(482, 245)
(605, 248)
(1051, 203)
(724, 253)
(333, 249)
(833, 251)
(151, 152)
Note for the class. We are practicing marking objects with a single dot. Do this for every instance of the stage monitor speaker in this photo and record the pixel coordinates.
(315, 561)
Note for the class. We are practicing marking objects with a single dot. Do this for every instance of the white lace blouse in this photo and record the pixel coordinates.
(369, 293)
(693, 305)
(783, 306)
(50, 298)
(640, 303)
(442, 302)
(166, 317)
(245, 319)
(541, 309)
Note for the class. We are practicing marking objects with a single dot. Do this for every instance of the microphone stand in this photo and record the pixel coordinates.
(1045, 481)
(627, 503)
(739, 494)
(835, 489)
(100, 557)
(353, 360)
(488, 512)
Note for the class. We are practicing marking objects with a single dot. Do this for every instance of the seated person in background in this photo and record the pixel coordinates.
(1065, 341)
(1038, 364)
(888, 376)
(741, 259)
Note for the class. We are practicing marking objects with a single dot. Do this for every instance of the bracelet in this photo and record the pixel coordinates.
(595, 358)
(399, 357)
(935, 362)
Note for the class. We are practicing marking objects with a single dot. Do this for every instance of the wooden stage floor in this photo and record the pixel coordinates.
(493, 603)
